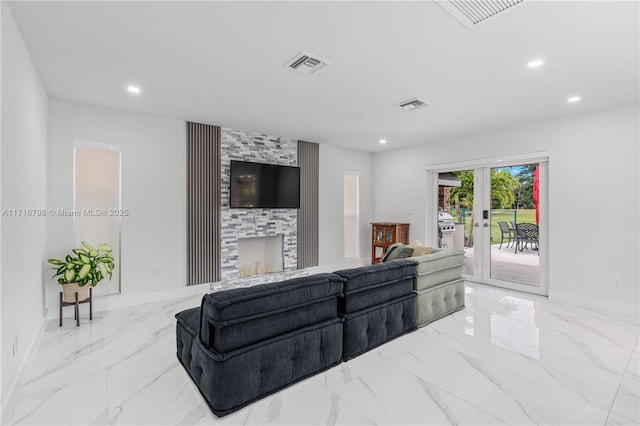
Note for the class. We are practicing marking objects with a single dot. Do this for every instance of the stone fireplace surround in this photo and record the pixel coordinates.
(246, 223)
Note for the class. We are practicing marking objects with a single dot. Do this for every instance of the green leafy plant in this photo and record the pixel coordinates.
(86, 265)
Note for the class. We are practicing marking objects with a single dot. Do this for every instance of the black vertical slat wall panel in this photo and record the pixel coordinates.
(203, 203)
(308, 161)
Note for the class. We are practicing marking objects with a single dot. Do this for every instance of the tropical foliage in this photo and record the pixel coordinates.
(504, 189)
(86, 265)
(524, 197)
(508, 191)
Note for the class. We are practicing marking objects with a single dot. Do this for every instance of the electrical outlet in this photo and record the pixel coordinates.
(617, 282)
(156, 273)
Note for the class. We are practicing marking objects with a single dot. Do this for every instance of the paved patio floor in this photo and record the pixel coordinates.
(521, 267)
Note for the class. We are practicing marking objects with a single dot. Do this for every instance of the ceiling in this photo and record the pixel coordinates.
(223, 63)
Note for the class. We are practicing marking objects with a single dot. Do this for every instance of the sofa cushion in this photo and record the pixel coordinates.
(239, 317)
(397, 252)
(438, 267)
(421, 250)
(439, 301)
(372, 285)
(369, 328)
(438, 260)
(376, 295)
(365, 277)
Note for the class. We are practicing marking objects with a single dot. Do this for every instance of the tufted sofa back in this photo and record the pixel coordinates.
(240, 317)
(372, 285)
(438, 267)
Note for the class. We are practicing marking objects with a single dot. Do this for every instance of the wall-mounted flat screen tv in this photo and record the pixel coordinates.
(258, 185)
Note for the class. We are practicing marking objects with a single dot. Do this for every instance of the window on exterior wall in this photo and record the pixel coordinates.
(96, 203)
(351, 214)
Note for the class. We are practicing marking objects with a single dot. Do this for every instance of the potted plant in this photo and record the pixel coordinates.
(82, 269)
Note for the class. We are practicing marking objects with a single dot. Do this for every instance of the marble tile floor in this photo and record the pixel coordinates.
(507, 358)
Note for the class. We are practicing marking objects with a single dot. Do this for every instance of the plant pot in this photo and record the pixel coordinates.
(69, 292)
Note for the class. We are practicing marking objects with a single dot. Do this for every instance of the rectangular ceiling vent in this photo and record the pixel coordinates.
(306, 63)
(473, 12)
(412, 104)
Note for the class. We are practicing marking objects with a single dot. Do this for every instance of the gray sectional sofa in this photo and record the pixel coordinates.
(378, 305)
(438, 284)
(243, 344)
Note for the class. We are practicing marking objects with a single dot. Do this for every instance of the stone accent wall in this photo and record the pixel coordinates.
(444, 198)
(243, 223)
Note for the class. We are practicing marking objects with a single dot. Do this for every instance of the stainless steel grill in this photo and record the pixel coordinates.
(446, 227)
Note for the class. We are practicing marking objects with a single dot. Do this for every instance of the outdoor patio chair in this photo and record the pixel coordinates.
(526, 233)
(507, 231)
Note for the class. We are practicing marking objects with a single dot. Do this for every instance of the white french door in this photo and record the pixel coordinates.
(490, 195)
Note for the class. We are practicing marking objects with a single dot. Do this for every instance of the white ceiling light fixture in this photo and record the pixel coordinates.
(133, 89)
(473, 12)
(536, 63)
(574, 99)
(412, 104)
(382, 141)
(307, 64)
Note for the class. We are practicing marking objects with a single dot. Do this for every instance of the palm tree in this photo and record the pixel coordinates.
(503, 193)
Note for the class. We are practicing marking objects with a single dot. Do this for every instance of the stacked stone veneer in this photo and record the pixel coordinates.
(245, 223)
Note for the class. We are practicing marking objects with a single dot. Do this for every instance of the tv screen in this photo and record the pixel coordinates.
(257, 185)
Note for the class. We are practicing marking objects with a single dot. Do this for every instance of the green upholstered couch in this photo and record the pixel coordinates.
(438, 283)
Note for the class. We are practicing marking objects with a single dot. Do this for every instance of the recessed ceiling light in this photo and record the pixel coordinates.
(574, 99)
(535, 63)
(133, 89)
(383, 141)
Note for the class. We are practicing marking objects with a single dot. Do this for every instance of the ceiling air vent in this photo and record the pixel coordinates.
(412, 104)
(473, 12)
(307, 63)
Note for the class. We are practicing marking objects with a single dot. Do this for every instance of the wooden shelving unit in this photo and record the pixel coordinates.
(384, 234)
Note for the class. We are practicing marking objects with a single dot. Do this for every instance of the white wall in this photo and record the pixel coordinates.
(594, 217)
(153, 156)
(24, 186)
(333, 163)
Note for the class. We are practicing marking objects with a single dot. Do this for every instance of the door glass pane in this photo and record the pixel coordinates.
(514, 224)
(97, 200)
(455, 215)
(351, 215)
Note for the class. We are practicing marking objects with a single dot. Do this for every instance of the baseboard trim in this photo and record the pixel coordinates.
(9, 401)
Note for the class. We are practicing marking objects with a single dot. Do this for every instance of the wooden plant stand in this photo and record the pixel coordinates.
(76, 305)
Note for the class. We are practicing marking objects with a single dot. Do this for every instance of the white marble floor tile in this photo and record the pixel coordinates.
(174, 306)
(618, 420)
(511, 397)
(633, 369)
(585, 327)
(529, 339)
(80, 402)
(290, 399)
(500, 300)
(391, 395)
(348, 371)
(506, 358)
(331, 410)
(594, 385)
(627, 402)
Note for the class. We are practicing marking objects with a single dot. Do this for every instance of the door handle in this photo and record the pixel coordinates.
(486, 225)
(476, 225)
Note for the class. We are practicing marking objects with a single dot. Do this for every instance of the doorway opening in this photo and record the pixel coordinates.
(496, 215)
